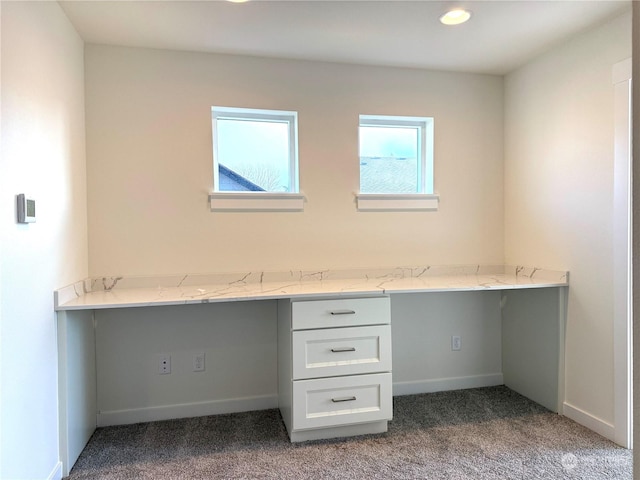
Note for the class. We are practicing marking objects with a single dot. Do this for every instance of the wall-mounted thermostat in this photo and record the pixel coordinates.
(26, 209)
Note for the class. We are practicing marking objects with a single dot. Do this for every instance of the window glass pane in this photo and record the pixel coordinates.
(389, 160)
(253, 155)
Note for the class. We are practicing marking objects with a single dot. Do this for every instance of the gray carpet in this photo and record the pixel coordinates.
(484, 433)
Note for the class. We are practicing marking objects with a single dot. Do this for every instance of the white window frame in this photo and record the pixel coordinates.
(424, 199)
(257, 201)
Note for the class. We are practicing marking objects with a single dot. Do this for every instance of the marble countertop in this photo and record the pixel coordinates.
(119, 292)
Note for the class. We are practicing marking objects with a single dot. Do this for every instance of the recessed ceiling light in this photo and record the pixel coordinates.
(455, 17)
(237, 1)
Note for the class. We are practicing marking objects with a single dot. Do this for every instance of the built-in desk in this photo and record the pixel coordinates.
(532, 325)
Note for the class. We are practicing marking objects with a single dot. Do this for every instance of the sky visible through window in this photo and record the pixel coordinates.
(399, 142)
(257, 150)
(389, 159)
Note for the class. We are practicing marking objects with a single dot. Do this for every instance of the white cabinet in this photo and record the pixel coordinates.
(334, 367)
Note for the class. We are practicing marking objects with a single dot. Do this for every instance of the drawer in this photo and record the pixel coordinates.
(341, 351)
(330, 402)
(344, 312)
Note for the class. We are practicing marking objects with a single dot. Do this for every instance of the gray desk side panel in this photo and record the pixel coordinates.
(532, 333)
(77, 384)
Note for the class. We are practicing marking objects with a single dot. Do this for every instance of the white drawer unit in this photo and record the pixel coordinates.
(334, 366)
(341, 312)
(341, 351)
(327, 402)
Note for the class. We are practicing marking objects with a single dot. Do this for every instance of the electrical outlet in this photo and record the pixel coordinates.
(164, 364)
(198, 362)
(456, 343)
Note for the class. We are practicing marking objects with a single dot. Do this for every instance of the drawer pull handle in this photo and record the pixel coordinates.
(343, 399)
(343, 349)
(343, 312)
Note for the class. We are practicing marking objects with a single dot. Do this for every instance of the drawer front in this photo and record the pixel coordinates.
(341, 351)
(344, 312)
(331, 402)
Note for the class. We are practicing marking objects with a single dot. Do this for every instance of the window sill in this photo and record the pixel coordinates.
(387, 202)
(256, 202)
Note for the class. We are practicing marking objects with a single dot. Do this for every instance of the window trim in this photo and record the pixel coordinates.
(254, 114)
(256, 202)
(406, 202)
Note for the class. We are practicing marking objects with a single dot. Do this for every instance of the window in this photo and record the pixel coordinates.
(255, 150)
(255, 159)
(396, 163)
(396, 154)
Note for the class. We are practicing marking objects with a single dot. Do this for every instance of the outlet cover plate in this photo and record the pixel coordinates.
(164, 364)
(198, 362)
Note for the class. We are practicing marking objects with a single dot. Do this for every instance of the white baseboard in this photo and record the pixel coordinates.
(587, 420)
(56, 473)
(186, 410)
(443, 384)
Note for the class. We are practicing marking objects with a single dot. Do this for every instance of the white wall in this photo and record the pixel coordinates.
(43, 153)
(149, 157)
(636, 239)
(422, 326)
(238, 339)
(559, 194)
